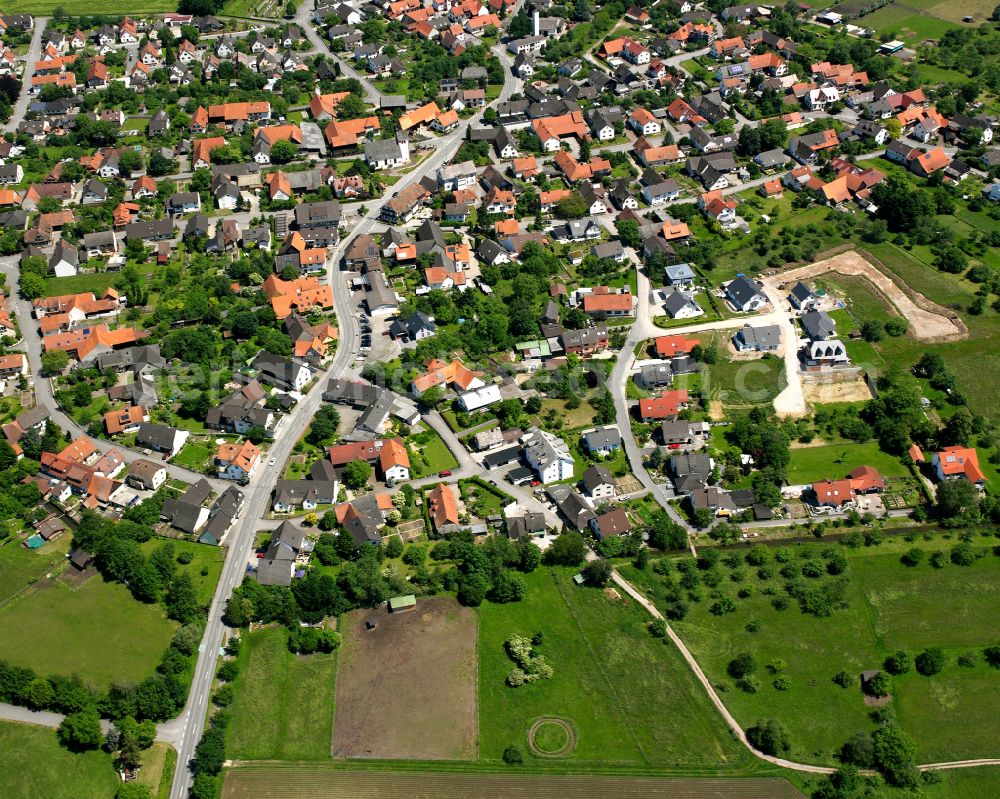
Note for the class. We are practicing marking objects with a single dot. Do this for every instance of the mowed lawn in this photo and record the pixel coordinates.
(98, 631)
(195, 455)
(35, 766)
(431, 457)
(888, 606)
(631, 699)
(744, 383)
(834, 461)
(284, 703)
(20, 566)
(204, 568)
(96, 282)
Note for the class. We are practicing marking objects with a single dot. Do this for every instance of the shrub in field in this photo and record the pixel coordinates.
(530, 667)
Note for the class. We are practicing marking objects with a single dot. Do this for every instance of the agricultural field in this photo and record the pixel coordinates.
(270, 9)
(284, 705)
(631, 702)
(833, 461)
(36, 765)
(885, 606)
(975, 362)
(406, 689)
(103, 7)
(264, 782)
(901, 21)
(98, 631)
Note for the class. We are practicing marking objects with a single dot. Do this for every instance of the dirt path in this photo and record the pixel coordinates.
(731, 721)
(928, 320)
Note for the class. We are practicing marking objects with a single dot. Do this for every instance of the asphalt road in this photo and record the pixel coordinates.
(31, 345)
(190, 724)
(304, 19)
(34, 54)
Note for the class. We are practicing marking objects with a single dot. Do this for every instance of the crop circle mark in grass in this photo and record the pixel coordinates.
(551, 737)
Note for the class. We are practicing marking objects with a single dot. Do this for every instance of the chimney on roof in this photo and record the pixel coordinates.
(537, 24)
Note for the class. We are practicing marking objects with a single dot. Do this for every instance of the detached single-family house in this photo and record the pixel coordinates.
(745, 295)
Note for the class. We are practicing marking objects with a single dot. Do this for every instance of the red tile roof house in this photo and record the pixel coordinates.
(666, 406)
(669, 346)
(835, 493)
(601, 303)
(953, 463)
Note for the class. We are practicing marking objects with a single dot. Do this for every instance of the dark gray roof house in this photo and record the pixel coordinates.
(744, 294)
(416, 326)
(526, 526)
(818, 325)
(159, 437)
(764, 338)
(572, 506)
(801, 295)
(603, 439)
(278, 563)
(597, 476)
(139, 360)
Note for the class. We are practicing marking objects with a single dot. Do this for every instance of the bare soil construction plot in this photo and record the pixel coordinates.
(407, 689)
(317, 782)
(928, 320)
(848, 391)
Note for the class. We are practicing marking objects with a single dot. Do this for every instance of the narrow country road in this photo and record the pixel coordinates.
(44, 718)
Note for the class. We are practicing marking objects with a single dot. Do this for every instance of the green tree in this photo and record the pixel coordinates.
(879, 684)
(80, 731)
(159, 165)
(571, 207)
(351, 107)
(959, 429)
(40, 693)
(898, 662)
(702, 518)
(283, 151)
(894, 756)
(858, 750)
(181, 600)
(432, 397)
(597, 572)
(507, 587)
(529, 556)
(32, 286)
(393, 547)
(955, 497)
(930, 661)
(356, 474)
(472, 589)
(742, 665)
(770, 737)
(568, 549)
(54, 362)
